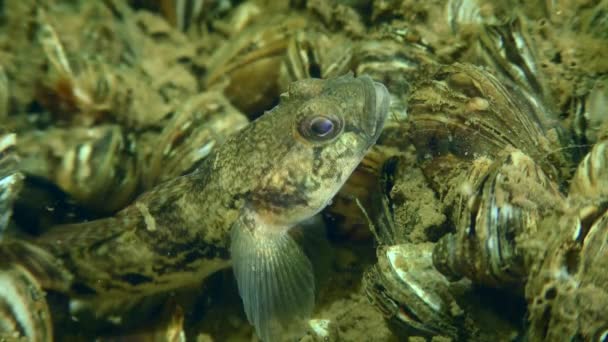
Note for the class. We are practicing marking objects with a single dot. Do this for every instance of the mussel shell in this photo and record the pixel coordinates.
(316, 54)
(591, 193)
(23, 308)
(594, 255)
(393, 63)
(97, 166)
(48, 271)
(11, 180)
(200, 124)
(466, 111)
(412, 293)
(575, 313)
(590, 122)
(591, 178)
(566, 288)
(504, 201)
(507, 48)
(249, 67)
(24, 271)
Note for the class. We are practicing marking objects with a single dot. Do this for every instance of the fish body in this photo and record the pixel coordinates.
(236, 208)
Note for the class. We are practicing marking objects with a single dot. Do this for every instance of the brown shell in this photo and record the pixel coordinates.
(201, 123)
(409, 290)
(568, 257)
(466, 111)
(499, 203)
(11, 180)
(24, 271)
(314, 53)
(97, 165)
(591, 178)
(248, 68)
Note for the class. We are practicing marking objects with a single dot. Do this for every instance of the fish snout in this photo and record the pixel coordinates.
(382, 103)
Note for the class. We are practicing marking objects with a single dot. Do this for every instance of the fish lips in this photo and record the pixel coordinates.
(382, 102)
(377, 101)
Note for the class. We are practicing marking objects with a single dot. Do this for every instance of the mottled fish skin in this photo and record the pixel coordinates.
(274, 173)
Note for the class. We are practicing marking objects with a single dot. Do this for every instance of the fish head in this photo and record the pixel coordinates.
(324, 128)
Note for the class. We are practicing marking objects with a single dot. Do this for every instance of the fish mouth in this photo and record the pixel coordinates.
(377, 101)
(382, 103)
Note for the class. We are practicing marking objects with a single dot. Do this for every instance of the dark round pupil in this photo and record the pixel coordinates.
(321, 126)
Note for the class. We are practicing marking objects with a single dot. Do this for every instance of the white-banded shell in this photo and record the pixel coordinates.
(202, 122)
(24, 271)
(499, 202)
(497, 32)
(98, 70)
(550, 50)
(391, 62)
(590, 113)
(594, 255)
(188, 14)
(466, 112)
(590, 180)
(568, 257)
(24, 312)
(248, 68)
(66, 90)
(95, 165)
(11, 180)
(469, 16)
(412, 293)
(313, 53)
(566, 289)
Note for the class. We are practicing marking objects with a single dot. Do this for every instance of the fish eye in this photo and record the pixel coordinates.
(320, 127)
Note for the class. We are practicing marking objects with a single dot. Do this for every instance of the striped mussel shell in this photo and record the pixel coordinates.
(315, 53)
(566, 289)
(464, 112)
(499, 204)
(24, 312)
(550, 50)
(97, 165)
(25, 272)
(11, 180)
(590, 180)
(590, 122)
(411, 293)
(248, 69)
(200, 124)
(506, 46)
(484, 144)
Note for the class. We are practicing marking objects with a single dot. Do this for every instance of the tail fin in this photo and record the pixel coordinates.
(275, 280)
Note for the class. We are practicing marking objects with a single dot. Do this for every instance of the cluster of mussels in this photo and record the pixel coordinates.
(501, 100)
(499, 146)
(485, 151)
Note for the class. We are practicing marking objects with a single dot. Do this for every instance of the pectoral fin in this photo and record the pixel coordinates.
(274, 278)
